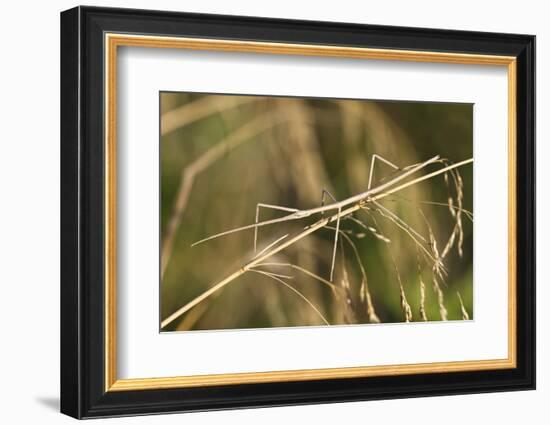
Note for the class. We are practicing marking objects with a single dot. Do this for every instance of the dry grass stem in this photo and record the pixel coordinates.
(455, 213)
(422, 304)
(349, 312)
(465, 315)
(271, 245)
(302, 296)
(468, 213)
(405, 306)
(367, 299)
(375, 232)
(303, 270)
(193, 316)
(364, 292)
(438, 271)
(384, 212)
(422, 308)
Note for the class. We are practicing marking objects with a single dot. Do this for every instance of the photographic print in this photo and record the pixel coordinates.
(281, 211)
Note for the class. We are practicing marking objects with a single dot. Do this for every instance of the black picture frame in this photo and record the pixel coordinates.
(83, 392)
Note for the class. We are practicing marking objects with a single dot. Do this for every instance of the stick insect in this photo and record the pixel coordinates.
(338, 206)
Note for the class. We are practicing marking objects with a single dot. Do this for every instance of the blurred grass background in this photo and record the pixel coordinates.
(241, 150)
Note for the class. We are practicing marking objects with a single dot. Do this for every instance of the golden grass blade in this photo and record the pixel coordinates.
(465, 315)
(364, 290)
(405, 306)
(375, 232)
(303, 270)
(293, 289)
(468, 213)
(275, 242)
(420, 179)
(422, 306)
(243, 134)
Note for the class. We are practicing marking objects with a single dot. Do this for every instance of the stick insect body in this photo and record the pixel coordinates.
(296, 214)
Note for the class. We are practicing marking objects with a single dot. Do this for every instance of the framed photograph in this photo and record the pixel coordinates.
(261, 212)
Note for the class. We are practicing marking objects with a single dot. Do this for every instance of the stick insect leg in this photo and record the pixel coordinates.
(323, 193)
(384, 160)
(273, 207)
(335, 244)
